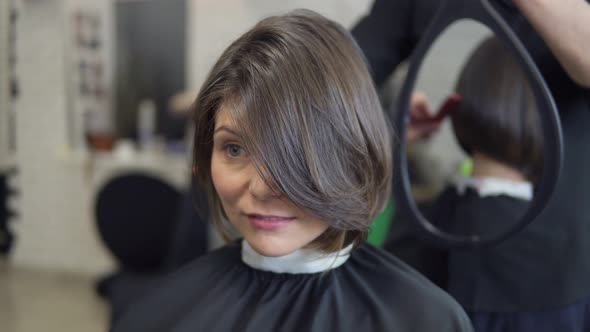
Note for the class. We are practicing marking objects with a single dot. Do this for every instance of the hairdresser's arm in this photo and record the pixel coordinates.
(565, 27)
(384, 36)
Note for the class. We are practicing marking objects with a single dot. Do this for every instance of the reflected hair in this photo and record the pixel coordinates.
(498, 116)
(300, 94)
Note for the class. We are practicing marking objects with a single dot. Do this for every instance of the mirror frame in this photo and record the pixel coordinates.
(483, 12)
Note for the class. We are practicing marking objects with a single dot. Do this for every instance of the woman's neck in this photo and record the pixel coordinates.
(484, 166)
(298, 262)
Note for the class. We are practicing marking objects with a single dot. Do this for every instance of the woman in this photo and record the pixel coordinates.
(295, 151)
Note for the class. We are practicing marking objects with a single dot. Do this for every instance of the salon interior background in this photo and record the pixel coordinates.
(60, 66)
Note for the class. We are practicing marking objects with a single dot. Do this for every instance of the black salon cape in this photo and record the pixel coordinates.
(494, 279)
(372, 291)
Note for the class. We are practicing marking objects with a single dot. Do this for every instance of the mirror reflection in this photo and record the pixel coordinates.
(475, 141)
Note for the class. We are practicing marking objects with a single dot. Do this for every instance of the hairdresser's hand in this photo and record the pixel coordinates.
(421, 124)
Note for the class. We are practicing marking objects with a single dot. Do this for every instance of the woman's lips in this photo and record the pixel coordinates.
(269, 222)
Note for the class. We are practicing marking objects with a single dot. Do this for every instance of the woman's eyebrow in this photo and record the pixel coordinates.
(224, 128)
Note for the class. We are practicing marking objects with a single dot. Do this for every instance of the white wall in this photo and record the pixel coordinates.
(55, 229)
(214, 24)
(4, 85)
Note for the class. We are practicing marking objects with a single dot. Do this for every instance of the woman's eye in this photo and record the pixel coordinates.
(234, 150)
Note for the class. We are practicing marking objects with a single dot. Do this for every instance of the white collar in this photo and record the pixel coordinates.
(490, 186)
(297, 262)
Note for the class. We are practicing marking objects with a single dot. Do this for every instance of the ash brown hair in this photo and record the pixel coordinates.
(498, 115)
(305, 106)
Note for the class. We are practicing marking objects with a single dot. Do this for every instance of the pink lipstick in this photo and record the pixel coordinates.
(269, 222)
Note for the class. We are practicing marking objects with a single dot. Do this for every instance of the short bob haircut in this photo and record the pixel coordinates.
(498, 116)
(305, 106)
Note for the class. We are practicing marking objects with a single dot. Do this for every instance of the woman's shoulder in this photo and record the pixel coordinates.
(390, 273)
(179, 290)
(406, 293)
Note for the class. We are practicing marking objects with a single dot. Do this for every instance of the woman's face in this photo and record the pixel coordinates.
(271, 224)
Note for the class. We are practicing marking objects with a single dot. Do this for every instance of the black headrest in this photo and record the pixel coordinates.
(136, 216)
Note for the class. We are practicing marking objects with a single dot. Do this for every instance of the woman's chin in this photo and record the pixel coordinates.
(270, 247)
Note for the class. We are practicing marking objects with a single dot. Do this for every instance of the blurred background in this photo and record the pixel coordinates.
(95, 143)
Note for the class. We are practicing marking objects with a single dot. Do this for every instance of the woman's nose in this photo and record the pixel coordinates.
(258, 187)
